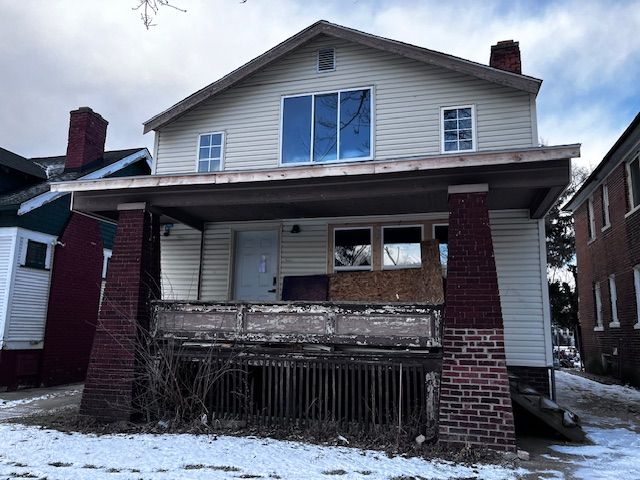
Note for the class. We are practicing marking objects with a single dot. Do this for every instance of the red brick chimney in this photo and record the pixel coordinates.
(505, 55)
(87, 134)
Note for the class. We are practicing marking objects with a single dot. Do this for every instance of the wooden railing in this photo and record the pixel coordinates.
(382, 325)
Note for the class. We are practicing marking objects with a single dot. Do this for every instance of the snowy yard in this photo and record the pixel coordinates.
(56, 455)
(609, 413)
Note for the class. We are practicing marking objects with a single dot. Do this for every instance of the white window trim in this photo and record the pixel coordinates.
(605, 207)
(613, 300)
(632, 208)
(24, 238)
(363, 268)
(341, 160)
(636, 283)
(474, 140)
(399, 267)
(106, 255)
(222, 149)
(591, 220)
(598, 307)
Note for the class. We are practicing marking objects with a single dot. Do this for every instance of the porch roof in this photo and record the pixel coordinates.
(529, 178)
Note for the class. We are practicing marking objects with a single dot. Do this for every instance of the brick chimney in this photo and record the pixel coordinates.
(505, 55)
(87, 134)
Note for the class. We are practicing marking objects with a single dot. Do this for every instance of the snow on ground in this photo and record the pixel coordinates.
(609, 414)
(5, 404)
(57, 455)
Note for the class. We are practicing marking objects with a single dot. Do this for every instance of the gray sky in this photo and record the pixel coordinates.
(57, 55)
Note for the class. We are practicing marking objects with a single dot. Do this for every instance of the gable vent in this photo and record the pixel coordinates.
(326, 59)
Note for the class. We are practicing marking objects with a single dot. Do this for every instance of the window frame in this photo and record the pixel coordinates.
(222, 148)
(399, 267)
(636, 283)
(597, 307)
(606, 216)
(613, 302)
(24, 252)
(338, 160)
(363, 268)
(632, 207)
(591, 220)
(474, 139)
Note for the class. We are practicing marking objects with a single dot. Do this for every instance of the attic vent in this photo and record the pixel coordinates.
(326, 59)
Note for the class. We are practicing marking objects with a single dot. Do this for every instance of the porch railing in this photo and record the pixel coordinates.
(367, 325)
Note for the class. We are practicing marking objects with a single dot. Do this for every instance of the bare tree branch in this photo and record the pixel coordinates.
(149, 10)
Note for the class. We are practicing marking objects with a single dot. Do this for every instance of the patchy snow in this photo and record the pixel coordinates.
(57, 455)
(619, 393)
(609, 417)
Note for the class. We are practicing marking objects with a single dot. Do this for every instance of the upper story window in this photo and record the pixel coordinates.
(606, 220)
(36, 255)
(458, 129)
(633, 170)
(591, 221)
(401, 247)
(352, 249)
(326, 127)
(210, 152)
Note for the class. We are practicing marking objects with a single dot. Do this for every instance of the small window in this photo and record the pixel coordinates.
(352, 249)
(401, 247)
(36, 255)
(441, 233)
(606, 222)
(634, 183)
(106, 261)
(591, 221)
(326, 127)
(636, 282)
(326, 59)
(613, 295)
(458, 129)
(597, 295)
(210, 152)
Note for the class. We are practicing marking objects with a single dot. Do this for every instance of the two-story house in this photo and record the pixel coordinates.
(53, 261)
(606, 211)
(303, 200)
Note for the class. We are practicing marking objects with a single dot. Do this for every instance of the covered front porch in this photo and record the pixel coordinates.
(381, 319)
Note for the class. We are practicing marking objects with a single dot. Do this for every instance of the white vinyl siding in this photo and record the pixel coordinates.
(407, 99)
(29, 297)
(179, 263)
(517, 243)
(7, 256)
(519, 262)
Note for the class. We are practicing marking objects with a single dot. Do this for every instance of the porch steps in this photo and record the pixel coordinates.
(542, 407)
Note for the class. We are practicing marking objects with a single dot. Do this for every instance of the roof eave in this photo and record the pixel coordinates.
(521, 82)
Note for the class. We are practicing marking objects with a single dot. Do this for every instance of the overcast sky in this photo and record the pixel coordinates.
(57, 55)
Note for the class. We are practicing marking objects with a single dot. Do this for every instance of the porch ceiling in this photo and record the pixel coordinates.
(533, 185)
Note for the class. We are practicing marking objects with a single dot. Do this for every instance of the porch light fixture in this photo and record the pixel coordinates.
(295, 229)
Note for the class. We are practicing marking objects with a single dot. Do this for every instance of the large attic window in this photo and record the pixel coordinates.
(326, 59)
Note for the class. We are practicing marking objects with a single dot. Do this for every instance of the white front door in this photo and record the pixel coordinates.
(256, 265)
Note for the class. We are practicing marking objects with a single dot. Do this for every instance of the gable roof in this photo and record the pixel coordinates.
(432, 57)
(21, 164)
(52, 169)
(610, 161)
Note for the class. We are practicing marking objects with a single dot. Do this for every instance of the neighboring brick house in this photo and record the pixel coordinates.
(606, 212)
(327, 170)
(52, 260)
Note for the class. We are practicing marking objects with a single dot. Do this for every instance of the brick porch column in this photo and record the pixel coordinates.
(475, 403)
(133, 279)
